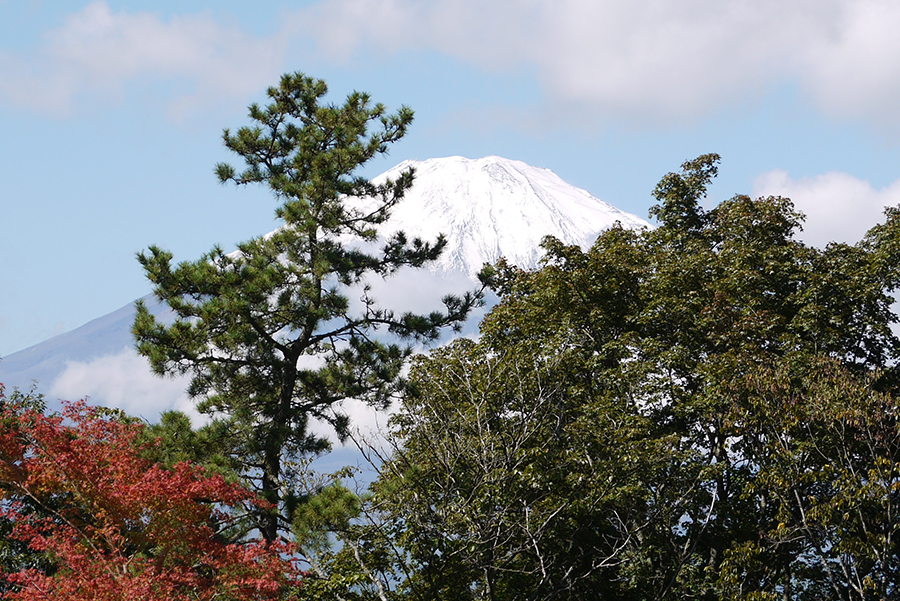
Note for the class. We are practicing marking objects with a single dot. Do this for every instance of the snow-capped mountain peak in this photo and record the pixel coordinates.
(494, 207)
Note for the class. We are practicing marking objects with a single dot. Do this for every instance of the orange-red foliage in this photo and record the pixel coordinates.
(117, 526)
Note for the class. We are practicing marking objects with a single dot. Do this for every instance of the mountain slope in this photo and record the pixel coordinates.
(487, 208)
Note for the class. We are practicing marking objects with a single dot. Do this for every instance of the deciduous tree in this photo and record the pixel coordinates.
(110, 525)
(702, 410)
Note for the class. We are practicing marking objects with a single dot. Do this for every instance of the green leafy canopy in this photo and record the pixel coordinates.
(705, 410)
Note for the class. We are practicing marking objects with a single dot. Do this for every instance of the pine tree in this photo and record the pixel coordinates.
(267, 333)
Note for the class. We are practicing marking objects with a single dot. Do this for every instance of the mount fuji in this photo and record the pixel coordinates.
(486, 208)
(493, 207)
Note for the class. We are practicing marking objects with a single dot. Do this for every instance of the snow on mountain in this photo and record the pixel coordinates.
(494, 207)
(486, 208)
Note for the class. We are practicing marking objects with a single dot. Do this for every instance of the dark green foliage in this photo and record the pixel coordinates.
(829, 476)
(268, 333)
(173, 439)
(705, 410)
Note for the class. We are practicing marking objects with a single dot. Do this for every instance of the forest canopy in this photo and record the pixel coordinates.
(703, 410)
(707, 409)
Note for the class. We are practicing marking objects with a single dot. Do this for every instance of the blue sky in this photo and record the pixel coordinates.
(111, 114)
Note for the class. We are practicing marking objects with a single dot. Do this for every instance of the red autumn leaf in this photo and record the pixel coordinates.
(118, 527)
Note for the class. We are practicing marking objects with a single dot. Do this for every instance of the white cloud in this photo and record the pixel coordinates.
(366, 423)
(98, 52)
(852, 65)
(646, 60)
(124, 381)
(838, 207)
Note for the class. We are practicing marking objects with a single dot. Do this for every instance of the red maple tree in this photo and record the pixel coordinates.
(115, 526)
